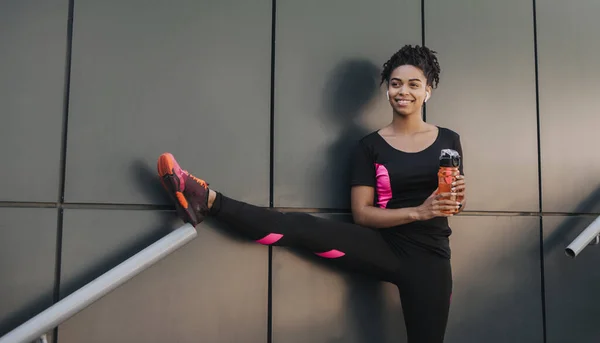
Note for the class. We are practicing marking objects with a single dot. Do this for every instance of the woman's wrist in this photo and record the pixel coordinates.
(415, 213)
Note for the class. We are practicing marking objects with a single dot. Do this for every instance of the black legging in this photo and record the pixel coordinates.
(423, 279)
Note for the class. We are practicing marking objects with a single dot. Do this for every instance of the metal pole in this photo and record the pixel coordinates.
(584, 239)
(86, 295)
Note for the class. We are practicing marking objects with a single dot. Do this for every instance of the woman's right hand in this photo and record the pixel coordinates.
(435, 204)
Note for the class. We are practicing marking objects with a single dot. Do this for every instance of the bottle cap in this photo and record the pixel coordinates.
(449, 158)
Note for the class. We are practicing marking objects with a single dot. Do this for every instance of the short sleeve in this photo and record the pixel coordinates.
(362, 166)
(458, 147)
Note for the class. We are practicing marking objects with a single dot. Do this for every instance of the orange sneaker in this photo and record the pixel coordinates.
(189, 192)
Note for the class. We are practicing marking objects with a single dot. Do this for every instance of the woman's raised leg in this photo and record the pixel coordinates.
(347, 245)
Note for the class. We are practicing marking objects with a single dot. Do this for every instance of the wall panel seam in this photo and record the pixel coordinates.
(539, 164)
(63, 159)
(271, 170)
(423, 44)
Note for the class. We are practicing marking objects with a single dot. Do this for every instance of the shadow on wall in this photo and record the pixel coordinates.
(572, 300)
(26, 312)
(148, 182)
(556, 240)
(111, 260)
(369, 313)
(351, 88)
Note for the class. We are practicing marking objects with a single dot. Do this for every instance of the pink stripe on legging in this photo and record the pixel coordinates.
(270, 238)
(331, 254)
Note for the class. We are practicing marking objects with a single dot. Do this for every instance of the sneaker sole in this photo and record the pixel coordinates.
(171, 176)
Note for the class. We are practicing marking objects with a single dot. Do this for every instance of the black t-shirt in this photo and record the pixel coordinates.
(404, 179)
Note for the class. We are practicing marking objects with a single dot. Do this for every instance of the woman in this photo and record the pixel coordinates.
(400, 235)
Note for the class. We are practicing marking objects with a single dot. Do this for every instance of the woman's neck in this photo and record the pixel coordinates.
(408, 124)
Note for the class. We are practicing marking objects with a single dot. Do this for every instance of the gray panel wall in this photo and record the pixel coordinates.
(487, 95)
(170, 77)
(27, 258)
(215, 282)
(32, 87)
(194, 78)
(568, 45)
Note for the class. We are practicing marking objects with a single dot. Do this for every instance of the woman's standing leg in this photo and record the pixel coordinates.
(346, 245)
(425, 290)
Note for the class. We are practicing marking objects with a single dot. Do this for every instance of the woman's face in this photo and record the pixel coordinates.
(407, 90)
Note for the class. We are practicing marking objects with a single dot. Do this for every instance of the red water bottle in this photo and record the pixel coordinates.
(449, 164)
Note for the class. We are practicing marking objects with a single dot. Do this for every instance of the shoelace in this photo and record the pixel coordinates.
(201, 182)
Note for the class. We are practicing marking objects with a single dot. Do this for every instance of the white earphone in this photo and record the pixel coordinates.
(388, 95)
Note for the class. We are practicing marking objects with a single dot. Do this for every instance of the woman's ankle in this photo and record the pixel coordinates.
(212, 195)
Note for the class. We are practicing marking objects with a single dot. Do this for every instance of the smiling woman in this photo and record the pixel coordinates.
(407, 103)
(417, 69)
(401, 229)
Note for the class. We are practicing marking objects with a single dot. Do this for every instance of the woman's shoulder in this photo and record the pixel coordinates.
(449, 133)
(370, 138)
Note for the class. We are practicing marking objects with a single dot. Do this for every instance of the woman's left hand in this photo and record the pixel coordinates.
(459, 187)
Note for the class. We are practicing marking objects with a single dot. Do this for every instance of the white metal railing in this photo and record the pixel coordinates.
(36, 328)
(591, 235)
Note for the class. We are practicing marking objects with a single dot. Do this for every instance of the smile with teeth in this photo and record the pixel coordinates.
(403, 101)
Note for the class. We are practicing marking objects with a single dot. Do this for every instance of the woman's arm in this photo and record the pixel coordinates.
(366, 214)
